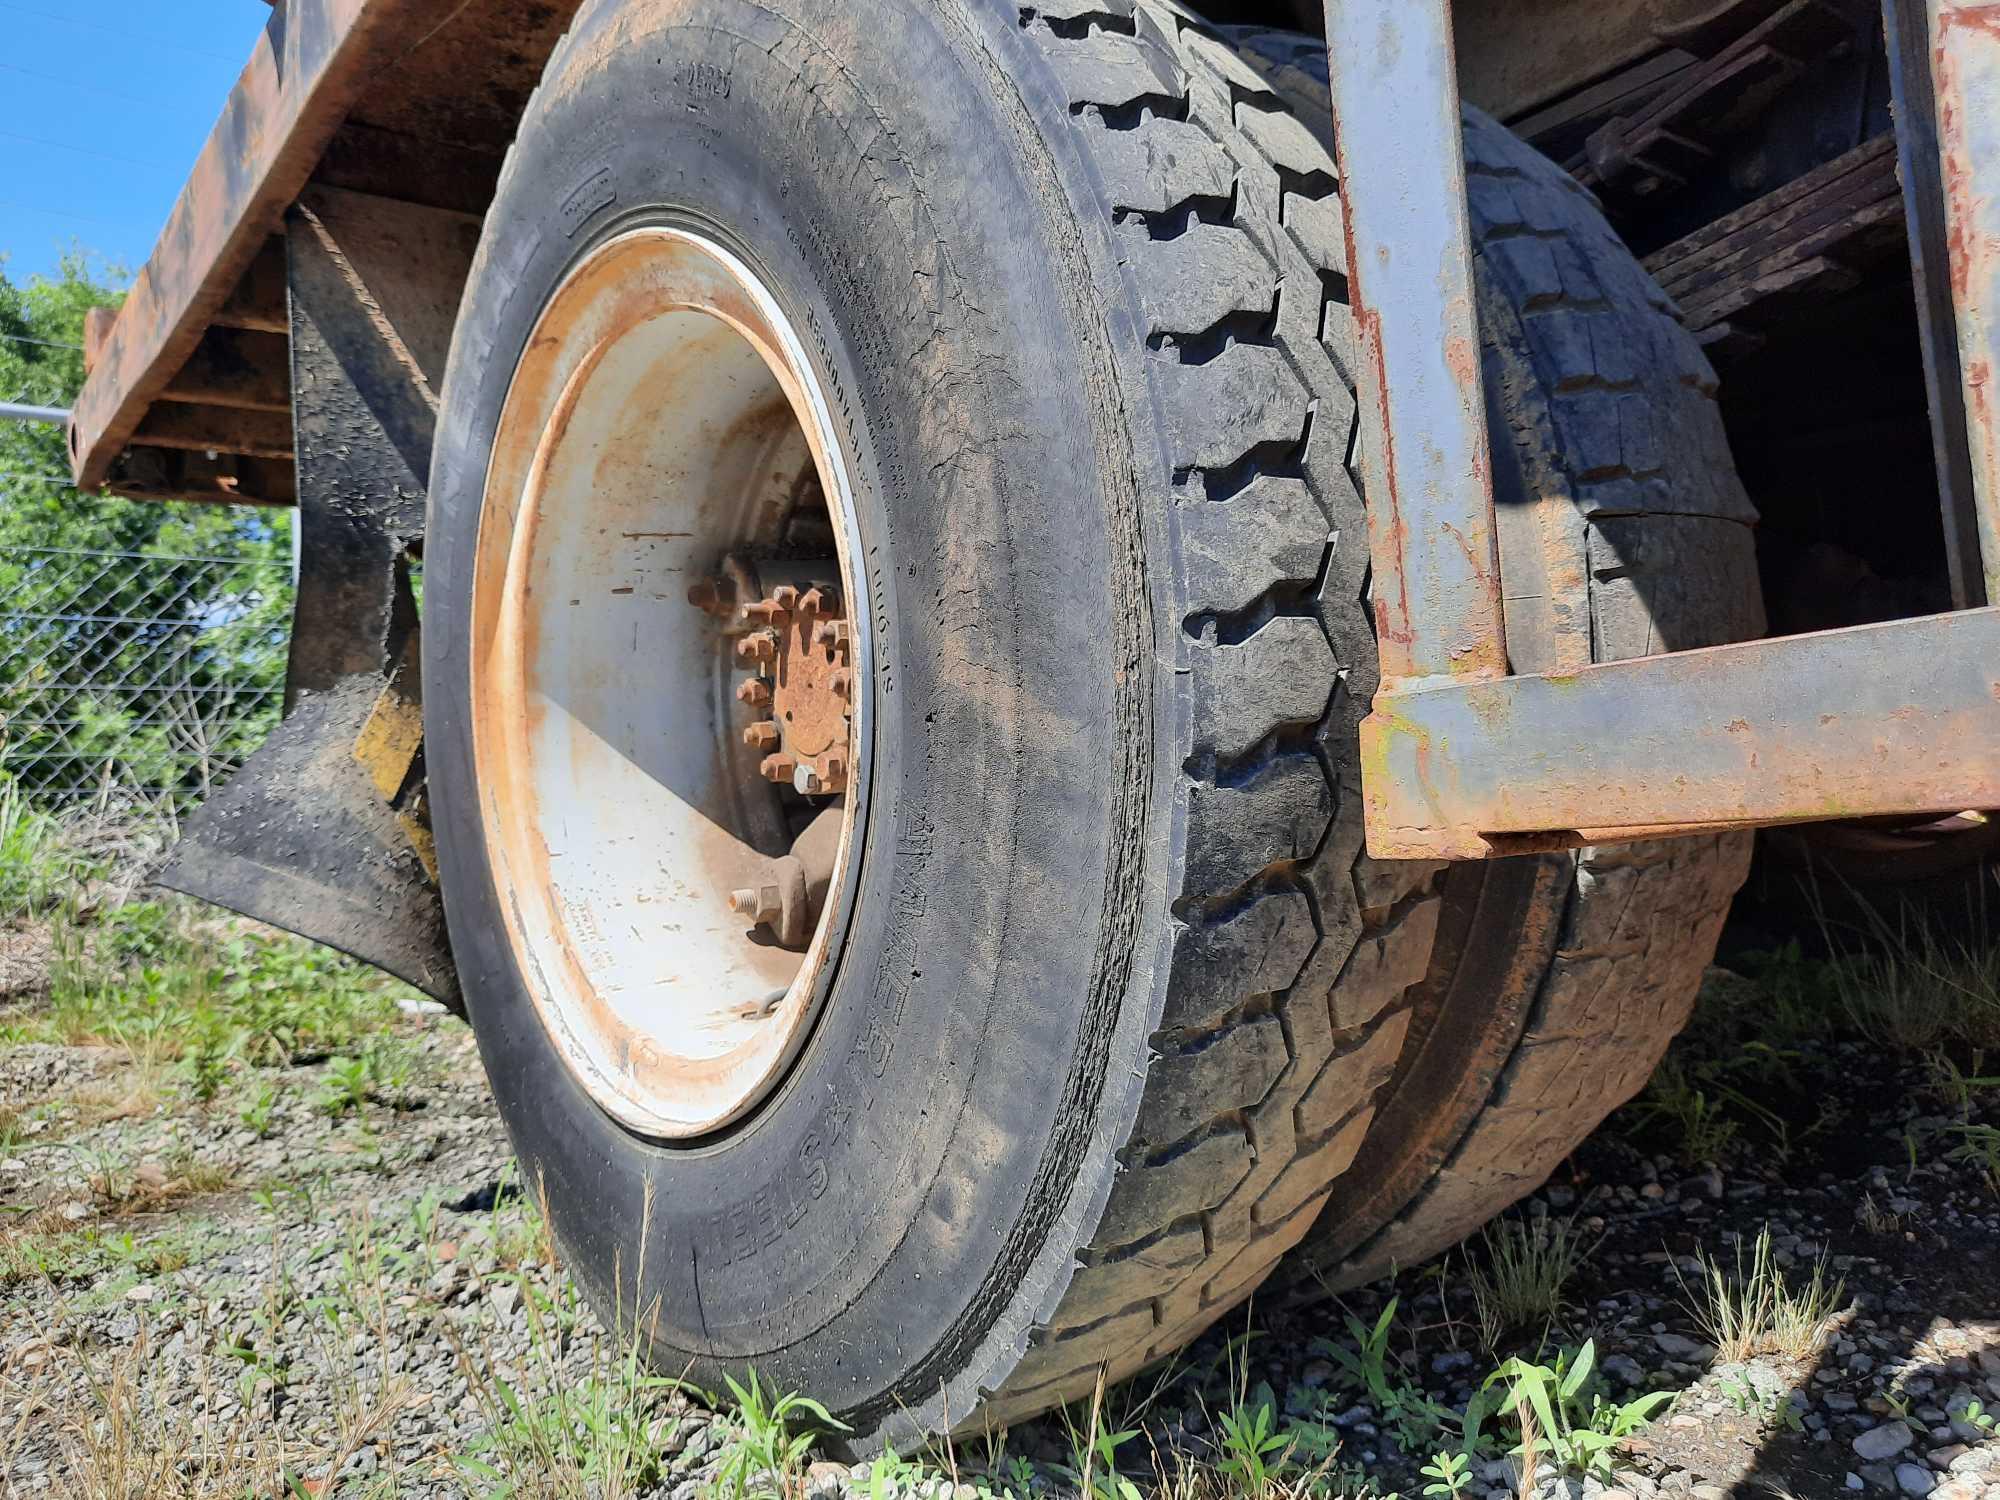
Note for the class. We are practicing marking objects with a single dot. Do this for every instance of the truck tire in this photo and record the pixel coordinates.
(1556, 982)
(1110, 987)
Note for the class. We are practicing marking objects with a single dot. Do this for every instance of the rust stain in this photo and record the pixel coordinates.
(1982, 18)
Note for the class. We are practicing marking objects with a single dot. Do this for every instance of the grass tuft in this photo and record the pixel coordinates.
(1753, 1309)
(1528, 1264)
(1916, 985)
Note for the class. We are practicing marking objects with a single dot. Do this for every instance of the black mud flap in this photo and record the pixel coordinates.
(301, 838)
(323, 831)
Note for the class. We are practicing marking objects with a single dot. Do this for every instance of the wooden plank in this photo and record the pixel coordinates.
(1673, 135)
(310, 65)
(1560, 129)
(1791, 267)
(217, 429)
(1816, 221)
(1869, 163)
(251, 371)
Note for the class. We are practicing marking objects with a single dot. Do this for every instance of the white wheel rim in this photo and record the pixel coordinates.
(663, 406)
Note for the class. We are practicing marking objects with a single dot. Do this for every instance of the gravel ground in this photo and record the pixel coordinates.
(272, 1285)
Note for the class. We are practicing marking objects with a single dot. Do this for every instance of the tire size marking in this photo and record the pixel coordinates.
(754, 1224)
(703, 80)
(596, 191)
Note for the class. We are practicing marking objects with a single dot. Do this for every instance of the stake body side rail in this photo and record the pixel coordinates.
(1461, 760)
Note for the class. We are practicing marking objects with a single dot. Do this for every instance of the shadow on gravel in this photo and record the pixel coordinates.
(1774, 1114)
(502, 1192)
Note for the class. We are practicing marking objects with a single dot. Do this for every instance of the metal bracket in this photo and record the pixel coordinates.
(1461, 760)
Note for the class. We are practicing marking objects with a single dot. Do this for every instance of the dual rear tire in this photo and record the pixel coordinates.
(1118, 1012)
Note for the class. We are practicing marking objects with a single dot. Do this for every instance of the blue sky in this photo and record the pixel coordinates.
(103, 106)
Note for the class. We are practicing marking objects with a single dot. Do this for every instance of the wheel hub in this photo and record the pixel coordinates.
(672, 804)
(795, 645)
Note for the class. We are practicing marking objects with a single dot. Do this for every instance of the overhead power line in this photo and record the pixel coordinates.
(117, 31)
(79, 85)
(59, 213)
(15, 338)
(112, 156)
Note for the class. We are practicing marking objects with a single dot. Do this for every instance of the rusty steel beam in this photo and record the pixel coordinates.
(248, 371)
(1425, 449)
(1902, 717)
(149, 473)
(310, 65)
(258, 303)
(1965, 75)
(217, 429)
(1906, 28)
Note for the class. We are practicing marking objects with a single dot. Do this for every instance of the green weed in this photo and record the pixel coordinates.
(1413, 1417)
(1581, 1430)
(345, 1087)
(1916, 986)
(258, 1110)
(768, 1450)
(1978, 1147)
(1450, 1475)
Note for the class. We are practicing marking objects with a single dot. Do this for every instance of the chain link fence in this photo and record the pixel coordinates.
(130, 675)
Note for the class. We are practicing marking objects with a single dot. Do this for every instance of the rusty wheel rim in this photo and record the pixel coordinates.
(668, 531)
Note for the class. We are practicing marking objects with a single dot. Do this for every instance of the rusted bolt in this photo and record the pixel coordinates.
(779, 768)
(759, 645)
(833, 633)
(785, 597)
(835, 779)
(760, 904)
(781, 901)
(762, 736)
(754, 691)
(842, 682)
(819, 602)
(770, 611)
(708, 595)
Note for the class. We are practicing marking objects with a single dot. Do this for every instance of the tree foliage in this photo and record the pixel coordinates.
(115, 652)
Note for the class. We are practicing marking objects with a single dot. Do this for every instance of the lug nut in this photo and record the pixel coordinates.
(761, 736)
(756, 692)
(819, 602)
(842, 682)
(785, 597)
(779, 768)
(759, 645)
(806, 782)
(833, 633)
